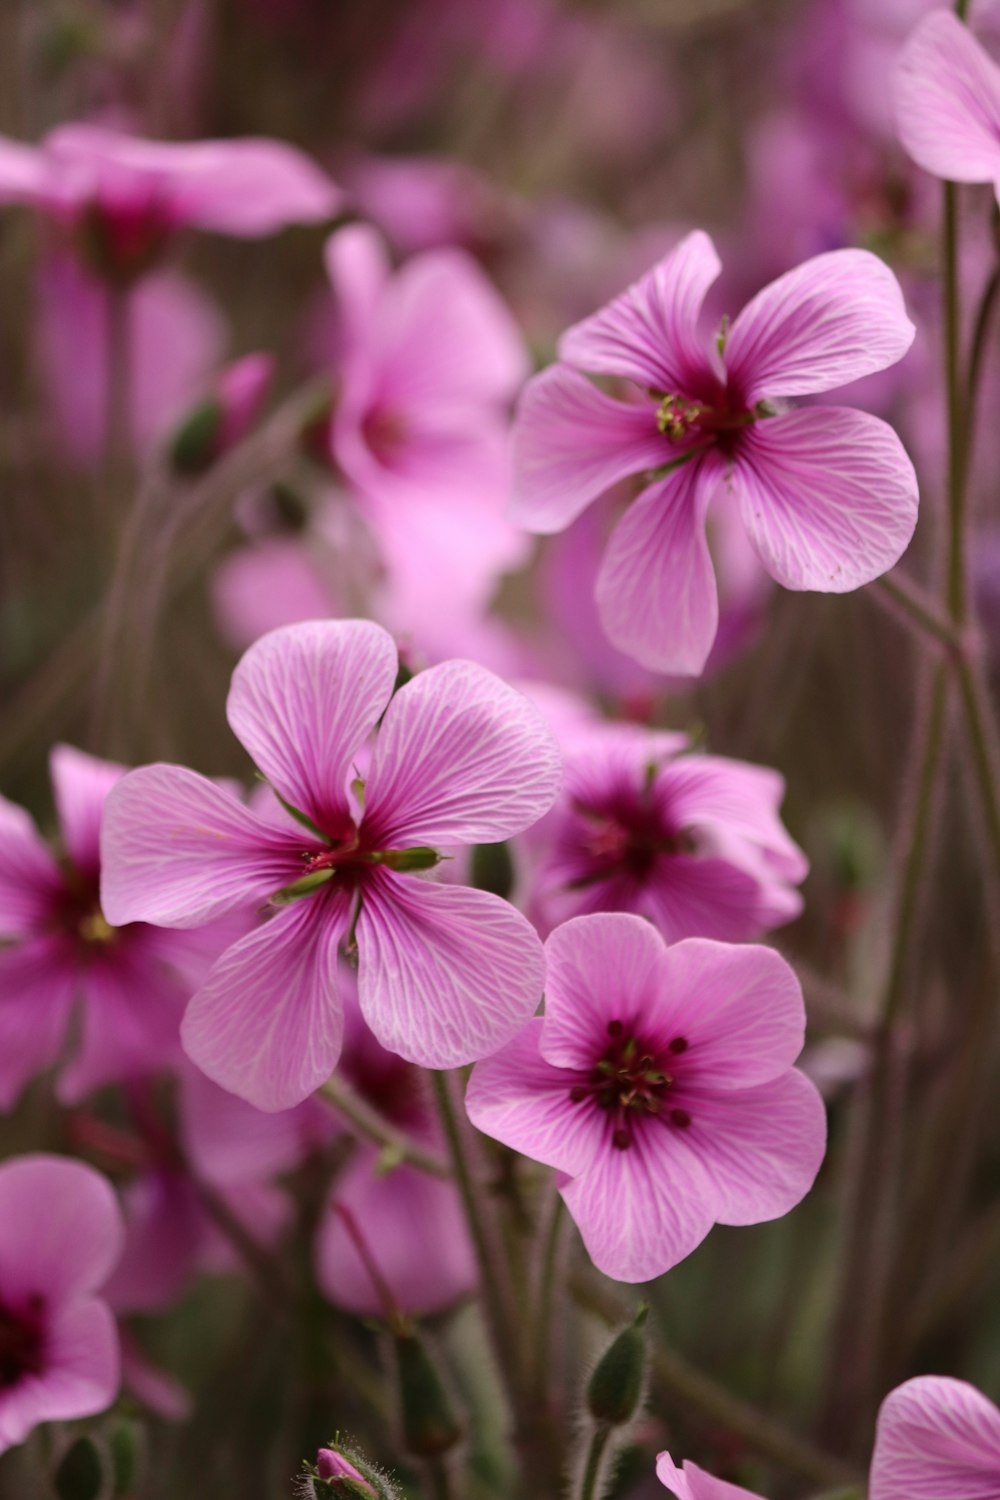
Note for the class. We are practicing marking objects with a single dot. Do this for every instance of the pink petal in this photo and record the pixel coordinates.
(22, 171)
(571, 443)
(460, 758)
(740, 1008)
(745, 798)
(726, 895)
(267, 1024)
(61, 1229)
(650, 333)
(165, 1230)
(832, 320)
(38, 981)
(759, 1148)
(416, 1232)
(604, 967)
(179, 851)
(304, 700)
(80, 784)
(517, 1096)
(81, 1376)
(936, 1436)
(447, 974)
(692, 1483)
(947, 97)
(30, 881)
(358, 267)
(637, 1220)
(656, 592)
(131, 1020)
(228, 1141)
(828, 497)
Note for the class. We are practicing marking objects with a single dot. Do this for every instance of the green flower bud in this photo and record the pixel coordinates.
(614, 1393)
(81, 1472)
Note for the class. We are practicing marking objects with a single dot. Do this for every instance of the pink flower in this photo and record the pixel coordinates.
(691, 1483)
(936, 1437)
(447, 973)
(660, 1086)
(947, 97)
(412, 1223)
(125, 198)
(57, 949)
(60, 1235)
(827, 495)
(692, 842)
(427, 361)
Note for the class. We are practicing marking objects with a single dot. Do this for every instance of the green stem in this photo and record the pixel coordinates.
(595, 1460)
(546, 1299)
(494, 1298)
(438, 1479)
(919, 611)
(370, 1124)
(981, 733)
(955, 580)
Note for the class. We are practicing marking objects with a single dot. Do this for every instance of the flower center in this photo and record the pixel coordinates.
(346, 860)
(123, 237)
(632, 1081)
(626, 839)
(21, 1342)
(679, 418)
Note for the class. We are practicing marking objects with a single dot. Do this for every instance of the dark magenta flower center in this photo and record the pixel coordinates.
(22, 1342)
(633, 1080)
(78, 911)
(625, 835)
(122, 239)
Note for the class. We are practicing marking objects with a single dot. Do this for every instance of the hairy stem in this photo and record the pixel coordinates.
(398, 1146)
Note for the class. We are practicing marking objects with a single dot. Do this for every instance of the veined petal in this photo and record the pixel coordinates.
(519, 1097)
(740, 1008)
(828, 497)
(656, 592)
(63, 1229)
(833, 319)
(691, 1483)
(759, 1148)
(178, 851)
(636, 1218)
(447, 974)
(80, 783)
(267, 1024)
(571, 443)
(946, 92)
(935, 1437)
(650, 333)
(460, 758)
(598, 968)
(29, 876)
(303, 701)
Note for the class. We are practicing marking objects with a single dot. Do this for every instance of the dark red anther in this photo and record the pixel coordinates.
(681, 1118)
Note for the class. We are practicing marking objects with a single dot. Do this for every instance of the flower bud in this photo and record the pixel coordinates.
(223, 418)
(429, 1425)
(615, 1389)
(81, 1472)
(345, 1475)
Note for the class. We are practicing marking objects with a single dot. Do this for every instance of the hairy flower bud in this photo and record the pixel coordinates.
(615, 1389)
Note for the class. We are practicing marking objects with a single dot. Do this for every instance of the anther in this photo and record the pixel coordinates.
(620, 1140)
(578, 1093)
(681, 1118)
(615, 1028)
(679, 1044)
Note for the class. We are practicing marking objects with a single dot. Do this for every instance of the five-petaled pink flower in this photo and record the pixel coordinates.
(124, 199)
(691, 1483)
(57, 951)
(936, 1437)
(660, 1085)
(60, 1235)
(827, 494)
(692, 842)
(446, 973)
(947, 97)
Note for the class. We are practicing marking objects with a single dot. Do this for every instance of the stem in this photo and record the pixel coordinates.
(982, 740)
(679, 1381)
(979, 337)
(919, 611)
(117, 461)
(955, 583)
(595, 1459)
(369, 1123)
(438, 1479)
(544, 1315)
(498, 1316)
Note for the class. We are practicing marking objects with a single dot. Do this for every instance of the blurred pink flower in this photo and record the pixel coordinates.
(176, 337)
(692, 842)
(660, 1086)
(427, 360)
(412, 1223)
(691, 1483)
(936, 1437)
(124, 199)
(827, 495)
(427, 202)
(947, 97)
(60, 1235)
(57, 950)
(446, 973)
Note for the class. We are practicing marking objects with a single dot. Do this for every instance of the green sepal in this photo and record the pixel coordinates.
(614, 1392)
(81, 1472)
(430, 1427)
(127, 1447)
(194, 446)
(420, 858)
(297, 813)
(303, 887)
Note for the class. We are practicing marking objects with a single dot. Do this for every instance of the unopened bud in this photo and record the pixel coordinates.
(81, 1472)
(616, 1386)
(429, 1425)
(344, 1474)
(224, 417)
